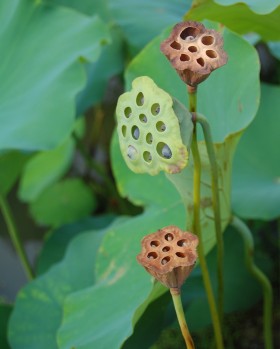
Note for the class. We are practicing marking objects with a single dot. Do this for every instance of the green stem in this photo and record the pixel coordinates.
(176, 296)
(192, 91)
(246, 234)
(216, 207)
(200, 249)
(15, 237)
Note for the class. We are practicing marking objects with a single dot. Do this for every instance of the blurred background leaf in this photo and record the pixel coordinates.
(256, 170)
(44, 169)
(258, 6)
(38, 109)
(238, 17)
(64, 202)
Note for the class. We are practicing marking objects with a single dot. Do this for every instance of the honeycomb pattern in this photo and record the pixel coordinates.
(149, 131)
(169, 255)
(194, 51)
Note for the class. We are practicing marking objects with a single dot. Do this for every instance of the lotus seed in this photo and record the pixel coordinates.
(166, 152)
(131, 152)
(135, 132)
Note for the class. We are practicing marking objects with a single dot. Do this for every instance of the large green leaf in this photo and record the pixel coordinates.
(256, 171)
(38, 308)
(238, 17)
(64, 202)
(122, 285)
(258, 6)
(41, 70)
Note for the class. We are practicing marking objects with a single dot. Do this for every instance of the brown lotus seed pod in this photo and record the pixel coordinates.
(194, 51)
(169, 255)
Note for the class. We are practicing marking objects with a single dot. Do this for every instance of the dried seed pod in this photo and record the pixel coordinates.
(169, 255)
(154, 130)
(194, 51)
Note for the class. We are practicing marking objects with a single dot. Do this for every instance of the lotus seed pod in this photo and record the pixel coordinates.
(154, 130)
(194, 51)
(169, 255)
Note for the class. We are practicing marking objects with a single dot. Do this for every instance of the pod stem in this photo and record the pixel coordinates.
(216, 207)
(197, 228)
(257, 273)
(176, 296)
(14, 235)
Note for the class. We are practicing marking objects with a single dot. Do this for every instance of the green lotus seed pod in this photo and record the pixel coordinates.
(154, 130)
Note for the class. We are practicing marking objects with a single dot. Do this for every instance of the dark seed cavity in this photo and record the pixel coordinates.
(135, 132)
(140, 99)
(143, 118)
(152, 255)
(189, 33)
(175, 45)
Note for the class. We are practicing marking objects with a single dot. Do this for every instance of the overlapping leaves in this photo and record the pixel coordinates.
(112, 302)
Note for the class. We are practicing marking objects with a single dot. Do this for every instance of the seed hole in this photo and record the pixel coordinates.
(154, 243)
(155, 109)
(132, 152)
(165, 260)
(200, 61)
(127, 112)
(140, 99)
(180, 254)
(149, 138)
(124, 130)
(192, 49)
(147, 156)
(152, 255)
(164, 151)
(166, 249)
(189, 33)
(169, 237)
(211, 54)
(143, 118)
(182, 243)
(160, 126)
(184, 58)
(175, 45)
(207, 40)
(135, 132)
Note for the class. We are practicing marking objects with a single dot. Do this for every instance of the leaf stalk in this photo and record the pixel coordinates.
(216, 207)
(14, 235)
(257, 273)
